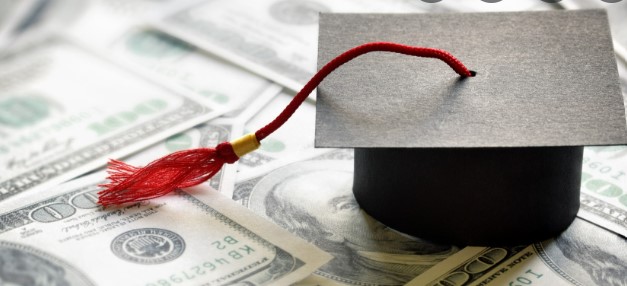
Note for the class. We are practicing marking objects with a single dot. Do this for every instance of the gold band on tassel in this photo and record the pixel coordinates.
(245, 144)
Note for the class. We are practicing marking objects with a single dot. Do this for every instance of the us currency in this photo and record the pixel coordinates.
(274, 38)
(117, 28)
(293, 141)
(313, 200)
(192, 237)
(211, 80)
(584, 254)
(27, 22)
(603, 193)
(104, 21)
(65, 111)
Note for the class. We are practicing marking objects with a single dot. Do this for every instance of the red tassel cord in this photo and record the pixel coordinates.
(191, 167)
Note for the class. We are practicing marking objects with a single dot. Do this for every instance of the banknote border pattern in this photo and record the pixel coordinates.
(20, 217)
(598, 211)
(280, 66)
(238, 227)
(188, 109)
(539, 249)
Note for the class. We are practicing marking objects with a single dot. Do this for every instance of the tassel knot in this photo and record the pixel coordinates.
(225, 151)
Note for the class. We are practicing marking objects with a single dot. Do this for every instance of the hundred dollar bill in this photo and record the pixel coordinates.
(293, 141)
(603, 192)
(274, 38)
(192, 237)
(104, 21)
(116, 28)
(65, 111)
(214, 81)
(313, 199)
(584, 254)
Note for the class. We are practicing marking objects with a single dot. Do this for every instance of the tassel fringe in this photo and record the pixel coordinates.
(177, 170)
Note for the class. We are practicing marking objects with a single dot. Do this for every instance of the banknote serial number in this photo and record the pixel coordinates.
(603, 168)
(529, 278)
(231, 250)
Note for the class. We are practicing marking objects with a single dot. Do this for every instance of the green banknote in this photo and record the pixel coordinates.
(313, 199)
(273, 38)
(65, 111)
(208, 79)
(603, 192)
(584, 254)
(192, 237)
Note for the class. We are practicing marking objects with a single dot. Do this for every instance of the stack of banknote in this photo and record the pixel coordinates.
(135, 80)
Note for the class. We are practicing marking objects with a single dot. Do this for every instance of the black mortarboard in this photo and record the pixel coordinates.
(492, 159)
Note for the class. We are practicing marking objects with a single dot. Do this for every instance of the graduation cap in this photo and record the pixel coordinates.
(488, 159)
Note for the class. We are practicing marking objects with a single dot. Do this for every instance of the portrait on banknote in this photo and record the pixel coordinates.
(314, 200)
(25, 265)
(589, 254)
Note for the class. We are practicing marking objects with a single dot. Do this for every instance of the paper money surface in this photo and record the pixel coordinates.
(603, 187)
(64, 111)
(584, 254)
(274, 38)
(193, 237)
(292, 142)
(215, 82)
(104, 21)
(313, 199)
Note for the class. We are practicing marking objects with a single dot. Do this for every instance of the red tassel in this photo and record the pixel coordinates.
(178, 170)
(191, 167)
